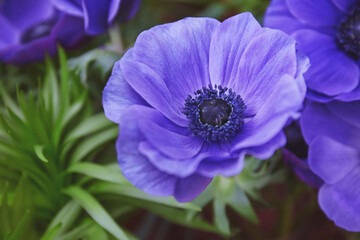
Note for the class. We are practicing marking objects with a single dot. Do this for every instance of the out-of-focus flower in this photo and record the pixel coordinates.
(332, 132)
(99, 14)
(193, 97)
(329, 33)
(295, 155)
(29, 29)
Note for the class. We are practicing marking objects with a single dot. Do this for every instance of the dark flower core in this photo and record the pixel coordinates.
(348, 34)
(37, 31)
(215, 113)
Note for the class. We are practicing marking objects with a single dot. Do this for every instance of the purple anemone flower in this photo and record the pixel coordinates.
(193, 97)
(35, 28)
(332, 132)
(329, 33)
(99, 14)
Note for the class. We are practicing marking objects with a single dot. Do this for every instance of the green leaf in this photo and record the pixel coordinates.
(39, 151)
(221, 220)
(130, 191)
(92, 143)
(52, 233)
(110, 174)
(66, 217)
(96, 211)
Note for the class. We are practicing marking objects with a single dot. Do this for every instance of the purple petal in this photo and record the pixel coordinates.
(183, 167)
(95, 16)
(318, 120)
(69, 31)
(148, 84)
(9, 33)
(118, 95)
(113, 10)
(225, 167)
(189, 188)
(139, 170)
(128, 9)
(169, 143)
(341, 201)
(278, 16)
(228, 44)
(302, 169)
(315, 13)
(70, 7)
(179, 53)
(265, 61)
(268, 149)
(348, 112)
(345, 5)
(332, 71)
(33, 51)
(26, 13)
(331, 160)
(273, 115)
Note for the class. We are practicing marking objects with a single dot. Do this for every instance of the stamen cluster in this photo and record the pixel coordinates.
(215, 132)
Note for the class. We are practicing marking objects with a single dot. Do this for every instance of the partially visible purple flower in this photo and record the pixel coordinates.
(193, 97)
(99, 14)
(328, 31)
(332, 132)
(295, 155)
(29, 29)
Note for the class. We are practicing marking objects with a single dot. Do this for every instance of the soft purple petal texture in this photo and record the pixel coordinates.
(318, 120)
(72, 7)
(315, 13)
(225, 167)
(118, 94)
(148, 84)
(188, 188)
(113, 10)
(139, 170)
(341, 202)
(350, 96)
(169, 143)
(95, 16)
(345, 5)
(26, 13)
(278, 16)
(268, 149)
(332, 71)
(69, 31)
(228, 45)
(33, 51)
(183, 167)
(273, 115)
(348, 112)
(267, 58)
(179, 53)
(9, 34)
(331, 160)
(302, 169)
(303, 64)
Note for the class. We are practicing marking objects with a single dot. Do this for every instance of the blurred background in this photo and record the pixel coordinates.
(58, 173)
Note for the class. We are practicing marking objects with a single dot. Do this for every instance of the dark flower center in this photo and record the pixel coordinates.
(37, 31)
(215, 113)
(348, 33)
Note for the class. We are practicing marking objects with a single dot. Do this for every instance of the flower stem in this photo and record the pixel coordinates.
(116, 38)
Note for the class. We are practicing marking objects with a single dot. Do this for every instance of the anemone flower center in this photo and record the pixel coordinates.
(348, 33)
(37, 31)
(215, 113)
